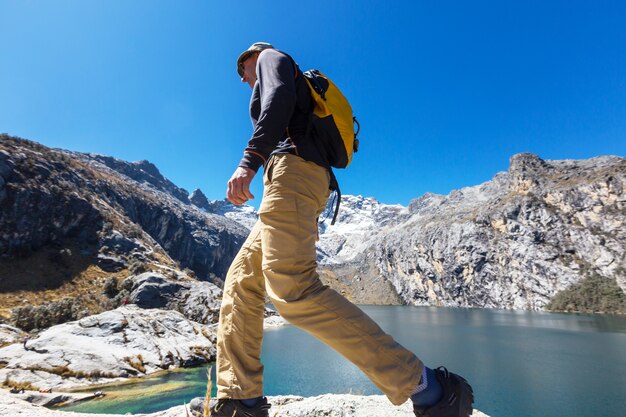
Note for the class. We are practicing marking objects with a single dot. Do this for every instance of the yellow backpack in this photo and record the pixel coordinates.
(332, 120)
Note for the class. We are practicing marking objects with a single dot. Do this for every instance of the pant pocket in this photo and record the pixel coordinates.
(278, 204)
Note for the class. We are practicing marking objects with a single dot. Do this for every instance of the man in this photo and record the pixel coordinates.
(279, 259)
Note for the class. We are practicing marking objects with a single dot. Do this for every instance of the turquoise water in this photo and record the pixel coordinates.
(519, 363)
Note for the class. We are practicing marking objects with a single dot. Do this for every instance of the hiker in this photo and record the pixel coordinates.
(279, 259)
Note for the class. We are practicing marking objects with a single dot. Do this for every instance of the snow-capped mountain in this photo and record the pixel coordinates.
(359, 220)
(245, 215)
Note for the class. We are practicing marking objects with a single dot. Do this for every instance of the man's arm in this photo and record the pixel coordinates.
(277, 89)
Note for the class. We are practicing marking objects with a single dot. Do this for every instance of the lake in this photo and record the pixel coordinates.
(519, 363)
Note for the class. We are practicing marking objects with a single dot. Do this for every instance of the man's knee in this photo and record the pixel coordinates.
(292, 289)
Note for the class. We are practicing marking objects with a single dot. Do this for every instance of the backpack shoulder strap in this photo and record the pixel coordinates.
(296, 69)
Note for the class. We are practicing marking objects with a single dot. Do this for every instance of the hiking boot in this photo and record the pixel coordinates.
(457, 398)
(229, 408)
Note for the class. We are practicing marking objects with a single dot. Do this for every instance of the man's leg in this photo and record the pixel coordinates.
(240, 331)
(295, 194)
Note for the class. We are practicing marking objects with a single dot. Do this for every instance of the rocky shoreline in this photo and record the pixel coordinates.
(110, 347)
(329, 405)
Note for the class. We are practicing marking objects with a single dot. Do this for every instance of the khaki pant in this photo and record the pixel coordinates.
(279, 258)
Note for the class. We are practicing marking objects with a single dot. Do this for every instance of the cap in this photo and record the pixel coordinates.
(255, 47)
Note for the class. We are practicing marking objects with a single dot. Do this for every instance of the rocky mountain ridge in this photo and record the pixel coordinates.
(69, 221)
(530, 238)
(515, 241)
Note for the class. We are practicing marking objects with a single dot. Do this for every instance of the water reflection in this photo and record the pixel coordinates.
(479, 317)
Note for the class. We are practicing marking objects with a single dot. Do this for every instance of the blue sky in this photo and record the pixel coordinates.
(446, 91)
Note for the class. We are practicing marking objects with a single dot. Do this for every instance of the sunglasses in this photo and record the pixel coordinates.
(242, 60)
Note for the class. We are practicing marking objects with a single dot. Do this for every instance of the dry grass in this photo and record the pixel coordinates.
(86, 285)
(84, 282)
(277, 410)
(65, 372)
(136, 363)
(27, 386)
(207, 396)
(207, 333)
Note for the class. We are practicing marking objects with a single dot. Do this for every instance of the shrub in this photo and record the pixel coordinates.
(39, 317)
(592, 294)
(137, 267)
(110, 287)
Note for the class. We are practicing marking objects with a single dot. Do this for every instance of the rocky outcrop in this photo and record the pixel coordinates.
(512, 242)
(197, 301)
(143, 172)
(38, 206)
(292, 406)
(10, 335)
(49, 399)
(113, 345)
(330, 405)
(345, 405)
(198, 199)
(116, 212)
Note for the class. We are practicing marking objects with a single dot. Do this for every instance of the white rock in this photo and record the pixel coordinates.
(10, 334)
(344, 405)
(284, 406)
(273, 322)
(121, 343)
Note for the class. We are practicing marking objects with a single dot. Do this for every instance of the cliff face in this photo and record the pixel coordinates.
(66, 215)
(512, 242)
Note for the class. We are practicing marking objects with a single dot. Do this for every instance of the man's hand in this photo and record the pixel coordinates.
(239, 186)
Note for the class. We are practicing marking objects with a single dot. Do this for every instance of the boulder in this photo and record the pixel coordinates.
(122, 343)
(10, 334)
(110, 263)
(198, 301)
(151, 290)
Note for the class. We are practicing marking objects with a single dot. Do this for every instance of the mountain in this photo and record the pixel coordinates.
(358, 221)
(545, 234)
(541, 232)
(244, 215)
(70, 222)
